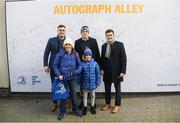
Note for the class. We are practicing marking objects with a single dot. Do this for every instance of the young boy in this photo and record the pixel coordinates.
(90, 79)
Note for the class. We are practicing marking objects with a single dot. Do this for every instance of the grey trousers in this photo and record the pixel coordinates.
(85, 94)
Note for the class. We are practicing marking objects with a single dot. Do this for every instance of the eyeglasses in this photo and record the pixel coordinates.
(61, 30)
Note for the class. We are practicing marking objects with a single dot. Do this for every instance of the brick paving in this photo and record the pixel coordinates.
(135, 108)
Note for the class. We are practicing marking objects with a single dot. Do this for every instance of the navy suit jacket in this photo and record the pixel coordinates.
(52, 48)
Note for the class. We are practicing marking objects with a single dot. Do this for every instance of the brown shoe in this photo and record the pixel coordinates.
(68, 105)
(115, 109)
(53, 107)
(105, 107)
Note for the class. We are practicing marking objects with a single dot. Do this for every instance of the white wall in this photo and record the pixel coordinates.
(151, 40)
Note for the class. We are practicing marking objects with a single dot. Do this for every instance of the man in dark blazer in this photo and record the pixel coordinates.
(52, 48)
(87, 42)
(113, 69)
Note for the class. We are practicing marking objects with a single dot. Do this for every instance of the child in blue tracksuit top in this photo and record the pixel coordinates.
(67, 65)
(90, 79)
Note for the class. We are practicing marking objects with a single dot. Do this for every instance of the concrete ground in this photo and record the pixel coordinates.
(155, 107)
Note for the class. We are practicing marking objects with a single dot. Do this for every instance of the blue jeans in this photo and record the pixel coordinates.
(117, 86)
(71, 85)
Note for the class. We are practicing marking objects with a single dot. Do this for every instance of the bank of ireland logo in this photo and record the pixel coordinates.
(35, 80)
(21, 80)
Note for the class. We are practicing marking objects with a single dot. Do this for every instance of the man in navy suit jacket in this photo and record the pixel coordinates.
(52, 48)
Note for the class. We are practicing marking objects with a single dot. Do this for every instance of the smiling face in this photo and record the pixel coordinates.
(110, 36)
(68, 47)
(88, 58)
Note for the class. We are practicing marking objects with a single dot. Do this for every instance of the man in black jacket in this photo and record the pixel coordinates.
(113, 69)
(87, 42)
(52, 48)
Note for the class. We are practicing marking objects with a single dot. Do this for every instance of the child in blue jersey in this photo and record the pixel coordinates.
(90, 79)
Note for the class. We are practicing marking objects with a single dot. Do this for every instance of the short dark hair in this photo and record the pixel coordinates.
(109, 30)
(61, 26)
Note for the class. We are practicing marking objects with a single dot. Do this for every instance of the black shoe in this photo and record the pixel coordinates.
(84, 111)
(95, 106)
(81, 106)
(60, 116)
(77, 112)
(93, 110)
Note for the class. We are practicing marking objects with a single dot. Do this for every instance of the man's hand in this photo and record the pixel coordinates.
(46, 69)
(102, 72)
(60, 77)
(121, 75)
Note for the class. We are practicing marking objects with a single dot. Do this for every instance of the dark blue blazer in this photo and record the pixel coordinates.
(52, 48)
